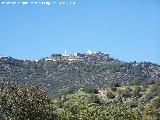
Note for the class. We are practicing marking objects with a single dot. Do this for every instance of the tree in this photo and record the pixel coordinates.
(25, 103)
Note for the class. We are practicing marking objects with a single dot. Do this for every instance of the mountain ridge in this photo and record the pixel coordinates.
(61, 73)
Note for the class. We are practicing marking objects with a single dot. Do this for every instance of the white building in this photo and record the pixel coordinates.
(89, 52)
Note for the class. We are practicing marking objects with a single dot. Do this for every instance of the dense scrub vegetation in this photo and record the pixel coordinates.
(58, 76)
(33, 103)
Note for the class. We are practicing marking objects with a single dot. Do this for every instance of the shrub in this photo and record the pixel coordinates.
(127, 92)
(110, 95)
(90, 89)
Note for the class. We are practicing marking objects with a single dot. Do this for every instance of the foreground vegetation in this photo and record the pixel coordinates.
(114, 102)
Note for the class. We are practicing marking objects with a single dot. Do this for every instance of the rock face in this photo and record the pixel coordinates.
(64, 73)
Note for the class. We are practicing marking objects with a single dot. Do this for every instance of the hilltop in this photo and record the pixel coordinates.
(89, 56)
(65, 73)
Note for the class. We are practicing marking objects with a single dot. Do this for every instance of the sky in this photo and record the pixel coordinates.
(129, 30)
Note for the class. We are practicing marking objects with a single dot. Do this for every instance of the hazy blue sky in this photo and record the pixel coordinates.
(128, 30)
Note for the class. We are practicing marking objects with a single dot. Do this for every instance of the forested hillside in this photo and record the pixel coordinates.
(64, 75)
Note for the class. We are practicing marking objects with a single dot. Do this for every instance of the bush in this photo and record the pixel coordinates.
(115, 84)
(90, 89)
(156, 102)
(132, 104)
(110, 95)
(149, 96)
(134, 82)
(113, 88)
(127, 93)
(136, 91)
(95, 98)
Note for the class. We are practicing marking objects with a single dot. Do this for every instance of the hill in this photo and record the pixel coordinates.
(66, 73)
